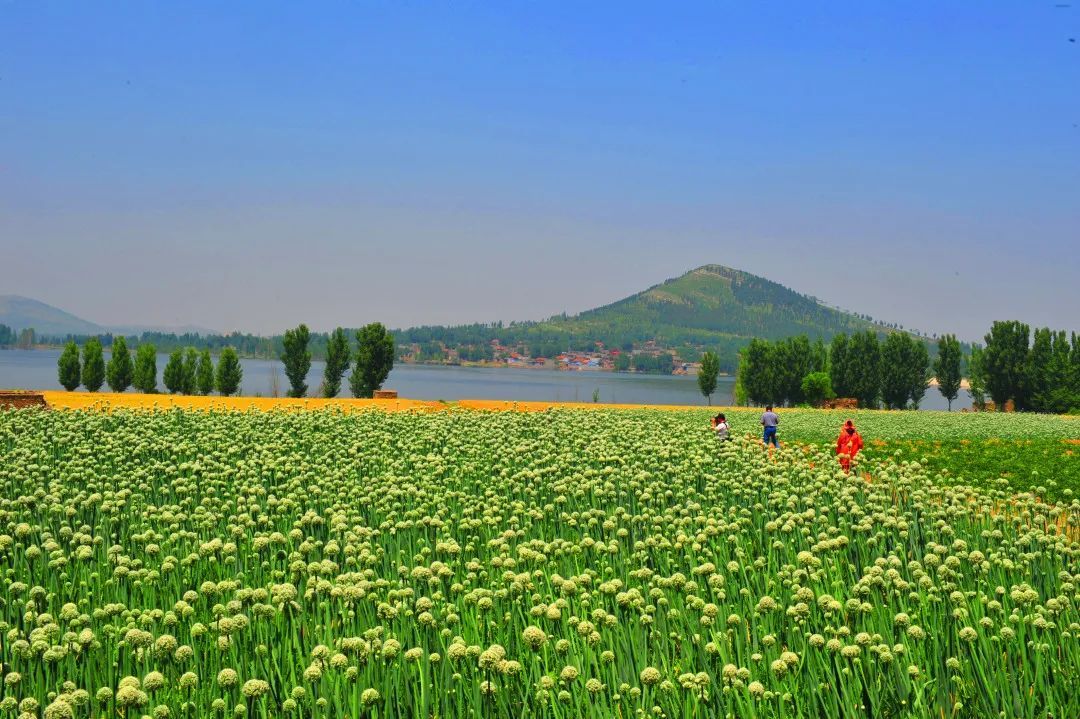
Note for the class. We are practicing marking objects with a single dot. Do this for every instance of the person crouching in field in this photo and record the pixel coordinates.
(848, 445)
(721, 427)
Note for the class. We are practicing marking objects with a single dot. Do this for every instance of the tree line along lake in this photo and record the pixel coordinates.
(37, 369)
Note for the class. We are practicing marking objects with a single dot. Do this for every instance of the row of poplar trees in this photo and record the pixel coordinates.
(189, 372)
(895, 372)
(1034, 371)
(192, 372)
(371, 360)
(1038, 372)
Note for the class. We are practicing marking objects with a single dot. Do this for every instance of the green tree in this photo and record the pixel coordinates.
(374, 359)
(145, 375)
(297, 359)
(434, 352)
(27, 339)
(863, 368)
(1036, 381)
(173, 374)
(839, 367)
(707, 374)
(819, 357)
(191, 371)
(977, 378)
(741, 398)
(1059, 396)
(894, 370)
(792, 360)
(229, 372)
(622, 362)
(918, 365)
(120, 370)
(337, 361)
(757, 372)
(947, 367)
(204, 373)
(68, 367)
(661, 363)
(817, 387)
(1074, 361)
(7, 336)
(1004, 362)
(93, 365)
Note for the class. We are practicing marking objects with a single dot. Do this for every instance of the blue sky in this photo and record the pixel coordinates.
(253, 165)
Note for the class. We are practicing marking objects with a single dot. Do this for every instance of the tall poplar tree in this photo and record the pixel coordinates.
(947, 368)
(1004, 361)
(120, 371)
(1059, 396)
(756, 370)
(792, 360)
(707, 374)
(918, 366)
(1074, 362)
(68, 367)
(839, 367)
(297, 359)
(894, 370)
(229, 372)
(145, 375)
(864, 368)
(374, 359)
(93, 365)
(337, 361)
(173, 374)
(1036, 379)
(819, 358)
(977, 378)
(191, 371)
(204, 373)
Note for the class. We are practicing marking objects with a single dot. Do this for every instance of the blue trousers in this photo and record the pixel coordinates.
(770, 436)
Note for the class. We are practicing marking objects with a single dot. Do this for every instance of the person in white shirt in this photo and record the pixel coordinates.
(721, 427)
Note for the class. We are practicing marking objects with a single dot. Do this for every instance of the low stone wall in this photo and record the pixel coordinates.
(18, 399)
(385, 394)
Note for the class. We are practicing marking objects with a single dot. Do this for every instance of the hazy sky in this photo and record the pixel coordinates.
(254, 165)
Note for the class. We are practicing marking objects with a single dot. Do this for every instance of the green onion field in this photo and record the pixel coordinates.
(565, 563)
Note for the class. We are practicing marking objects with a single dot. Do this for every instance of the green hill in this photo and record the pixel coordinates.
(713, 302)
(710, 308)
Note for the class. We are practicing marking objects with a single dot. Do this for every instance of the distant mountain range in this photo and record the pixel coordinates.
(21, 313)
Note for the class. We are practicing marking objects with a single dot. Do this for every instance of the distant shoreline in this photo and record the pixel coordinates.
(555, 368)
(964, 384)
(480, 364)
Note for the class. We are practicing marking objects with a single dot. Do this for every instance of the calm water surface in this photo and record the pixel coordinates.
(36, 369)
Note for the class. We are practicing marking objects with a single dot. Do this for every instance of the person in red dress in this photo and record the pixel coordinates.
(848, 444)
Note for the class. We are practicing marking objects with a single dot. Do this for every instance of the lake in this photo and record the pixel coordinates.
(36, 369)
